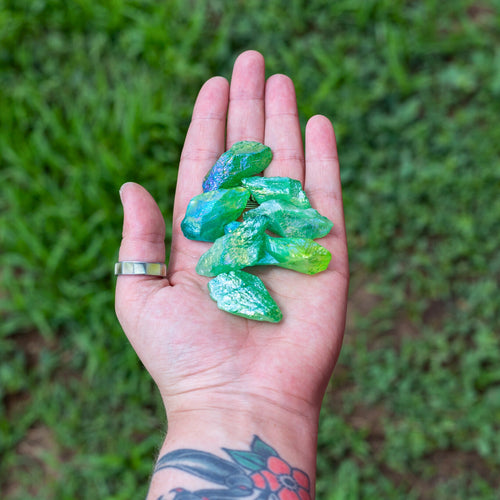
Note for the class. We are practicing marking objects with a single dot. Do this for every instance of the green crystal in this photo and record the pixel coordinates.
(238, 249)
(209, 212)
(243, 159)
(244, 294)
(286, 219)
(299, 254)
(277, 188)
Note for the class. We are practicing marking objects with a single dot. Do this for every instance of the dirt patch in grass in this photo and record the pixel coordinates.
(450, 463)
(359, 306)
(37, 453)
(32, 343)
(480, 13)
(444, 467)
(32, 451)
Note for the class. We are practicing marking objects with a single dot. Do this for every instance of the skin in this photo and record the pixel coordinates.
(224, 378)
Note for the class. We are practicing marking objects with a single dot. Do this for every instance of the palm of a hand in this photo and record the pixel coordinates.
(197, 354)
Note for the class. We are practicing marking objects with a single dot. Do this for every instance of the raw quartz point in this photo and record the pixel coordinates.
(208, 213)
(243, 159)
(243, 247)
(286, 219)
(303, 255)
(277, 188)
(245, 295)
(299, 254)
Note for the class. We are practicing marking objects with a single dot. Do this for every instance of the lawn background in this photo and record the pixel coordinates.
(93, 94)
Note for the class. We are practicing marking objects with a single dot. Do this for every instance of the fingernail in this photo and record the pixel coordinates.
(122, 190)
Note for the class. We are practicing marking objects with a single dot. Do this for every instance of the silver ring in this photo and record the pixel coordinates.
(128, 267)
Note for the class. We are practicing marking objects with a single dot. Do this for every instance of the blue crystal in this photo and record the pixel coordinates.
(208, 213)
(243, 159)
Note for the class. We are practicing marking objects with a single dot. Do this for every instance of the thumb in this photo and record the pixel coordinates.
(143, 240)
(143, 226)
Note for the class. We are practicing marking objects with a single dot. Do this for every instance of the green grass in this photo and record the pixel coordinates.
(93, 94)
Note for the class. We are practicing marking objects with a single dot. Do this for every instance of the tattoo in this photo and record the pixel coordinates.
(259, 473)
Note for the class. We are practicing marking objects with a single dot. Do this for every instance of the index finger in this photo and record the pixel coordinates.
(205, 142)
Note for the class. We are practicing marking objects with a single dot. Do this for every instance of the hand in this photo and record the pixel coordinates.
(206, 361)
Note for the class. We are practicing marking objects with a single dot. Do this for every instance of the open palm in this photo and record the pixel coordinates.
(200, 356)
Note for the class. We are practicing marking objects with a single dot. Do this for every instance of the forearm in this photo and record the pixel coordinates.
(233, 454)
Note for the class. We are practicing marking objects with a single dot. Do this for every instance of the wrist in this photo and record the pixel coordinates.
(292, 434)
(248, 405)
(217, 419)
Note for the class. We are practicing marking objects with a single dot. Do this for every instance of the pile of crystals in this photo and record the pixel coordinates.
(240, 236)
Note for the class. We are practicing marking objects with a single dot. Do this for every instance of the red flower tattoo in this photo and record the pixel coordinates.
(282, 481)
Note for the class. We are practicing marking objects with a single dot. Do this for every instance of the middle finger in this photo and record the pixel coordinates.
(245, 121)
(283, 134)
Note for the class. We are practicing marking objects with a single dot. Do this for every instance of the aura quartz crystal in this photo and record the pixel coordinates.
(243, 247)
(300, 254)
(209, 212)
(286, 219)
(243, 159)
(244, 294)
(303, 255)
(277, 188)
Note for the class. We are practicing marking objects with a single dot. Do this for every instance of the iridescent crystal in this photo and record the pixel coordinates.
(299, 254)
(286, 219)
(238, 249)
(277, 188)
(245, 295)
(243, 159)
(208, 213)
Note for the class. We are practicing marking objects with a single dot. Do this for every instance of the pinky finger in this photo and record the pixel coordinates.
(323, 187)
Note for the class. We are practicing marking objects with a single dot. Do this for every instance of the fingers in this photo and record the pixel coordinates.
(323, 187)
(243, 104)
(283, 133)
(246, 99)
(265, 112)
